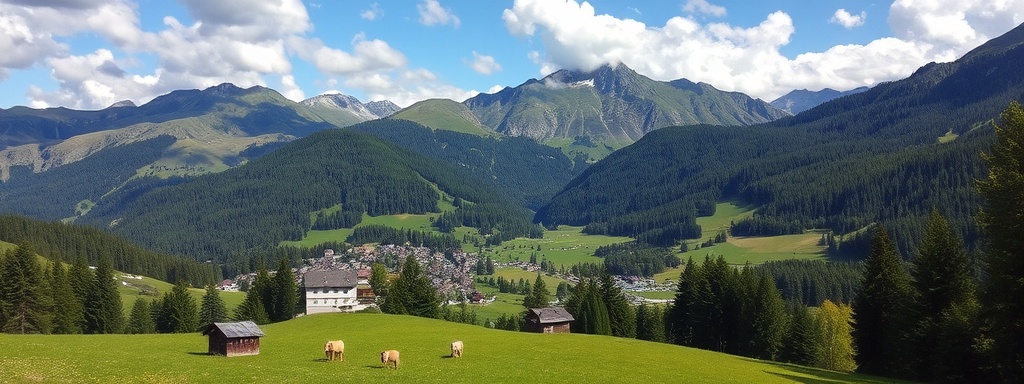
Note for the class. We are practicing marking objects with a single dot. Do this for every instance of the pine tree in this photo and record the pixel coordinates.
(103, 309)
(212, 309)
(285, 292)
(80, 277)
(686, 298)
(412, 293)
(798, 345)
(835, 346)
(141, 319)
(941, 279)
(539, 295)
(562, 292)
(490, 266)
(880, 310)
(69, 313)
(769, 322)
(650, 323)
(179, 313)
(1003, 194)
(26, 306)
(252, 309)
(621, 318)
(263, 287)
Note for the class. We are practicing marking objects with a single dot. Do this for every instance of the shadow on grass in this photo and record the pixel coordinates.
(374, 366)
(201, 354)
(818, 376)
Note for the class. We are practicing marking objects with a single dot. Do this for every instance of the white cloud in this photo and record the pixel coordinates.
(847, 20)
(703, 7)
(368, 55)
(373, 13)
(748, 59)
(432, 13)
(495, 88)
(483, 64)
(250, 19)
(291, 90)
(412, 86)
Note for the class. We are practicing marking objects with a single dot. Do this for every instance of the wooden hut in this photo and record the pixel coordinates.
(234, 339)
(548, 320)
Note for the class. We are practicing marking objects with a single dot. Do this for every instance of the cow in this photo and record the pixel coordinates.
(335, 349)
(389, 356)
(457, 348)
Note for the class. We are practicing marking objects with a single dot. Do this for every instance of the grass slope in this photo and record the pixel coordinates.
(444, 114)
(292, 352)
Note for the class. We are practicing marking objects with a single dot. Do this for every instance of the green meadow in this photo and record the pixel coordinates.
(292, 352)
(149, 289)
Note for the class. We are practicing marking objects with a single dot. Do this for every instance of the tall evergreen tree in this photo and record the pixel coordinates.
(179, 313)
(650, 323)
(26, 305)
(1003, 194)
(263, 287)
(140, 321)
(881, 309)
(80, 277)
(769, 321)
(212, 309)
(621, 318)
(681, 313)
(539, 295)
(941, 279)
(285, 292)
(103, 313)
(252, 309)
(412, 293)
(835, 349)
(798, 345)
(68, 314)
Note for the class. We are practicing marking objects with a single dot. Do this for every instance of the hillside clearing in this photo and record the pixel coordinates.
(292, 352)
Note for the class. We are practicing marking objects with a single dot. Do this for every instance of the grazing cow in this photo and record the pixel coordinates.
(335, 349)
(457, 348)
(389, 356)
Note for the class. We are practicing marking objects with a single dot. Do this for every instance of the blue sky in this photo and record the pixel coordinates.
(87, 54)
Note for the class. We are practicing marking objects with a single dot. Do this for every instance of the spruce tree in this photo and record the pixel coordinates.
(650, 323)
(212, 309)
(80, 277)
(880, 310)
(263, 287)
(285, 292)
(798, 345)
(26, 305)
(941, 279)
(412, 293)
(621, 318)
(140, 321)
(69, 313)
(179, 313)
(769, 320)
(103, 306)
(379, 280)
(1001, 225)
(252, 309)
(681, 314)
(539, 295)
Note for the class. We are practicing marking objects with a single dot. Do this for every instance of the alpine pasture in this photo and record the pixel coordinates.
(292, 352)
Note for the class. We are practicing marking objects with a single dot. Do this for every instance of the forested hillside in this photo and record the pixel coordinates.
(69, 243)
(887, 155)
(528, 172)
(270, 199)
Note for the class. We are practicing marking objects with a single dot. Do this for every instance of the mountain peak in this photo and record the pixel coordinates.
(122, 103)
(335, 102)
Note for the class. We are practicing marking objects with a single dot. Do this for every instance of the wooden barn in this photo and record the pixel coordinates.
(234, 339)
(548, 320)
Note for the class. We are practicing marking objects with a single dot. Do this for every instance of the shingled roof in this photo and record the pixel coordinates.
(236, 330)
(552, 315)
(330, 279)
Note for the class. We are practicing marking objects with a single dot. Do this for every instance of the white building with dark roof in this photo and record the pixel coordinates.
(331, 291)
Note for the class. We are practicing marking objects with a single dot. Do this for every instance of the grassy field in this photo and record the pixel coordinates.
(292, 352)
(149, 289)
(564, 246)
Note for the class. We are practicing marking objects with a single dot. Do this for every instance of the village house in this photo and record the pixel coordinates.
(548, 320)
(234, 339)
(331, 291)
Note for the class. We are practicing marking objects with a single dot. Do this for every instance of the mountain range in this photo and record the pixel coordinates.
(800, 100)
(887, 155)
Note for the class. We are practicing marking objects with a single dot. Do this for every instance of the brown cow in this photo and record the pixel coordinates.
(335, 349)
(457, 348)
(389, 356)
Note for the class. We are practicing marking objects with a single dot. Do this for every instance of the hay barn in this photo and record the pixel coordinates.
(234, 339)
(548, 320)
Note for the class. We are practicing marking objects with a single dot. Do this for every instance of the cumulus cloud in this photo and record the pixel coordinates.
(703, 7)
(432, 13)
(483, 64)
(406, 87)
(291, 90)
(373, 13)
(250, 19)
(748, 59)
(367, 55)
(847, 20)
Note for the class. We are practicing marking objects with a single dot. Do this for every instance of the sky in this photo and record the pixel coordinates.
(88, 54)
